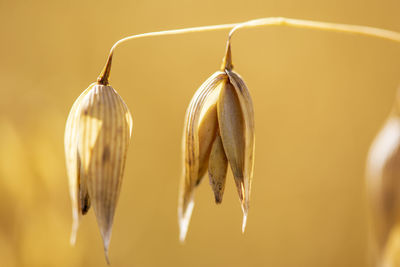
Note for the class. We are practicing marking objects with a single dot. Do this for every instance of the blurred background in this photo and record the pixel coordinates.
(320, 98)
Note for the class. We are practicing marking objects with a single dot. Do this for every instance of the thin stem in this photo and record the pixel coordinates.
(325, 26)
(104, 75)
(277, 21)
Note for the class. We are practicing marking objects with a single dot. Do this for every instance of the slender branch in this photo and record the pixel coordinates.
(277, 21)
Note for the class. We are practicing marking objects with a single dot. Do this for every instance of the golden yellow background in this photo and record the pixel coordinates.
(319, 98)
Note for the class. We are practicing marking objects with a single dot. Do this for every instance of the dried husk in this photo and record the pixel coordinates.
(217, 169)
(247, 111)
(219, 128)
(199, 133)
(73, 166)
(99, 133)
(232, 130)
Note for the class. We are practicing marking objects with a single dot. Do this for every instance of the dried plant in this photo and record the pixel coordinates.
(97, 136)
(219, 130)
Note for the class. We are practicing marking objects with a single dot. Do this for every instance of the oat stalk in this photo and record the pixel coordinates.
(272, 21)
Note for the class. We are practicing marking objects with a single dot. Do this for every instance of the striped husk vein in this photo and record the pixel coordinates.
(97, 135)
(105, 129)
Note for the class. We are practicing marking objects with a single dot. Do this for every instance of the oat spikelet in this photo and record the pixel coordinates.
(219, 129)
(97, 138)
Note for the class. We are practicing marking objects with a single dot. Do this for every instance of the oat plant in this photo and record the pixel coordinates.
(219, 132)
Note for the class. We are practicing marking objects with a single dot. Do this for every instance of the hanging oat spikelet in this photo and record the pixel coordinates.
(383, 180)
(97, 136)
(219, 128)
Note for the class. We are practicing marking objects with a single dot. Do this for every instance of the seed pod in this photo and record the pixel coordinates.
(97, 136)
(219, 128)
(383, 182)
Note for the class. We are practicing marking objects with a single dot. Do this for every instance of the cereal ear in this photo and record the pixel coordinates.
(105, 126)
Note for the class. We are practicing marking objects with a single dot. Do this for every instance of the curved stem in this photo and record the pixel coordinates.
(104, 75)
(277, 21)
(318, 25)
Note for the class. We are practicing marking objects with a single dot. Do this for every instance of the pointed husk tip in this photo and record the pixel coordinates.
(227, 60)
(244, 223)
(105, 73)
(184, 220)
(74, 230)
(106, 236)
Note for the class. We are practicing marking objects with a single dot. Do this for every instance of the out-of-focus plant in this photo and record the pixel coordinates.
(383, 180)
